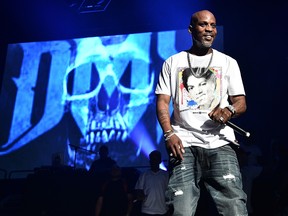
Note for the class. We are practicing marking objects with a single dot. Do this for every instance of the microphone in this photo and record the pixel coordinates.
(238, 129)
(233, 126)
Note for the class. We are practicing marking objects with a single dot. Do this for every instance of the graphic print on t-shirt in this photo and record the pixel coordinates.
(199, 88)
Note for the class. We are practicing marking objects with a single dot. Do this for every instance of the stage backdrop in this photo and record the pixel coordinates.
(68, 97)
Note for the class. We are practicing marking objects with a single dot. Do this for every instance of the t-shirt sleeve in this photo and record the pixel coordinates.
(235, 86)
(140, 182)
(163, 85)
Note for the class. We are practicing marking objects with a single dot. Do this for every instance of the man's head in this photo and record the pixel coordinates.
(155, 158)
(103, 151)
(203, 29)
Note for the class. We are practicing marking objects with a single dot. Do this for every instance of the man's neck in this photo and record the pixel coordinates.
(200, 51)
(155, 169)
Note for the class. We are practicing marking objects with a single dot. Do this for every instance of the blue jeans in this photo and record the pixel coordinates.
(218, 169)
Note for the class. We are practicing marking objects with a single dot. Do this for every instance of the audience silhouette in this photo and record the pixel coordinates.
(102, 166)
(114, 198)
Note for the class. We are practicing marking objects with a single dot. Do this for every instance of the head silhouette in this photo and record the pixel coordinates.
(155, 159)
(103, 151)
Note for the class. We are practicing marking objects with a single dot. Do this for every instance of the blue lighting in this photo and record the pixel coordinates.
(72, 96)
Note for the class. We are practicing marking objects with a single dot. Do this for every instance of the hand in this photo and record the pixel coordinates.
(220, 115)
(174, 147)
(140, 195)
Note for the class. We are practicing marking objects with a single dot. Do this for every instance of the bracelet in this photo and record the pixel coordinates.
(169, 136)
(167, 133)
(231, 109)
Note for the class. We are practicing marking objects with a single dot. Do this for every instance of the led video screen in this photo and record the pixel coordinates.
(69, 97)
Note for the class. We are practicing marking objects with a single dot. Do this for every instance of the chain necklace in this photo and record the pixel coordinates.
(198, 69)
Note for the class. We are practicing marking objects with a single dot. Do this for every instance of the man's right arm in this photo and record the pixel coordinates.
(173, 143)
(162, 109)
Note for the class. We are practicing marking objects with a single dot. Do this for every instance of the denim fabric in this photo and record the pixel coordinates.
(218, 169)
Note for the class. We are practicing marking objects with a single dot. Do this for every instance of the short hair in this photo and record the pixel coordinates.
(155, 156)
(194, 17)
(103, 150)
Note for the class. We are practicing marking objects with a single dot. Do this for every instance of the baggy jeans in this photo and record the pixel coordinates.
(220, 172)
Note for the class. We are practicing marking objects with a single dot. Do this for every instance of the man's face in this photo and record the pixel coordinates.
(205, 31)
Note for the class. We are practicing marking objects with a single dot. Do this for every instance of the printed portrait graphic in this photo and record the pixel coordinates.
(199, 88)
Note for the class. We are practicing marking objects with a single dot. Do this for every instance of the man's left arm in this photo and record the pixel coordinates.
(235, 109)
(239, 104)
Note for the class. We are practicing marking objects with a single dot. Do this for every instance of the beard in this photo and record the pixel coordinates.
(202, 44)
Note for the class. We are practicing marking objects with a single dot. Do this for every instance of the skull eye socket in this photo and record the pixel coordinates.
(83, 79)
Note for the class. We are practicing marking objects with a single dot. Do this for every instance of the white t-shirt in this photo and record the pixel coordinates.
(206, 88)
(154, 185)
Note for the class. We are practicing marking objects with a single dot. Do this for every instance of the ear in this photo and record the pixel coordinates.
(190, 29)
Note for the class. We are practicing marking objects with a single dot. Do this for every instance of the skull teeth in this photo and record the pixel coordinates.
(105, 136)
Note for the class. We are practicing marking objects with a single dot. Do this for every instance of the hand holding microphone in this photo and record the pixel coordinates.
(223, 119)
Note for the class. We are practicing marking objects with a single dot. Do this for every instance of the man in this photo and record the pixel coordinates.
(198, 141)
(151, 186)
(104, 164)
(114, 198)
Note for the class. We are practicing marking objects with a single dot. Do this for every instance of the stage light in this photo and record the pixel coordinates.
(92, 6)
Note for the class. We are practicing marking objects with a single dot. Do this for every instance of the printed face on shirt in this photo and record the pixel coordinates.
(201, 90)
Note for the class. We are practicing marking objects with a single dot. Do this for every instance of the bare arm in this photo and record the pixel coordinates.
(162, 109)
(99, 204)
(173, 143)
(130, 204)
(239, 104)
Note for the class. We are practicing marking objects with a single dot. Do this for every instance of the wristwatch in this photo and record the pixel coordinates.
(231, 109)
